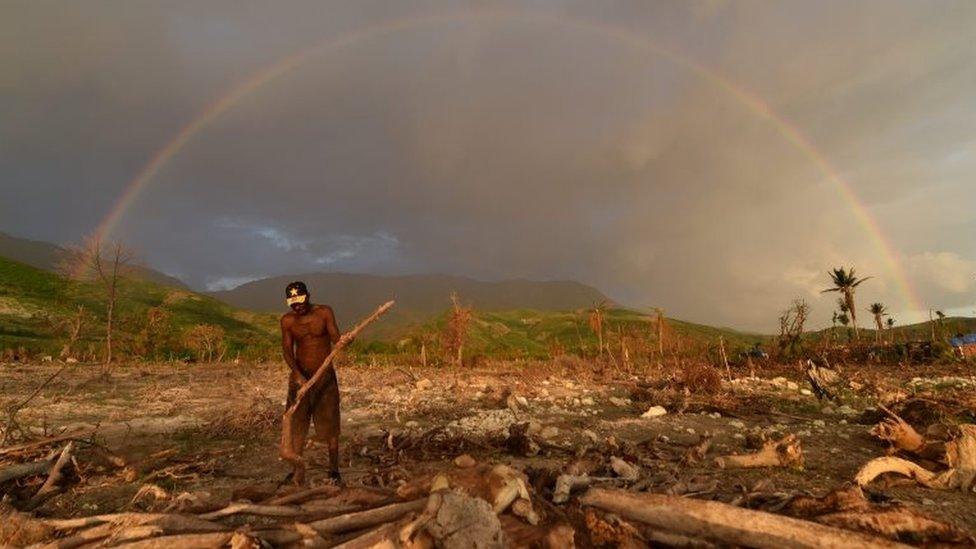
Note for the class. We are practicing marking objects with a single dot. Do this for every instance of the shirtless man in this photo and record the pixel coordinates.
(307, 335)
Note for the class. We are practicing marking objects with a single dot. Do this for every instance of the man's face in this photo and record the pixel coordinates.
(298, 301)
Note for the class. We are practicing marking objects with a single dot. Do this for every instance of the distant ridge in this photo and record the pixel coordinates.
(419, 297)
(46, 256)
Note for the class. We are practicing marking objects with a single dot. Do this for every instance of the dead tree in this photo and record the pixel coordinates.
(106, 264)
(791, 323)
(207, 341)
(596, 323)
(456, 330)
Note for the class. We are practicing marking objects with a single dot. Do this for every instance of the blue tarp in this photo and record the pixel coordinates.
(968, 339)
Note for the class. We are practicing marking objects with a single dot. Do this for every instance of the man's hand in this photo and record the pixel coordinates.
(299, 377)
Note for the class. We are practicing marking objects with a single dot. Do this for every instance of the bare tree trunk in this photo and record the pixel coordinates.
(660, 335)
(725, 358)
(849, 299)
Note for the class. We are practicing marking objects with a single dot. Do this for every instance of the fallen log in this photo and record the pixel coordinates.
(785, 452)
(22, 470)
(285, 450)
(365, 519)
(725, 523)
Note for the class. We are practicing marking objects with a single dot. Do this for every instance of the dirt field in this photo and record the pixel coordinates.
(214, 429)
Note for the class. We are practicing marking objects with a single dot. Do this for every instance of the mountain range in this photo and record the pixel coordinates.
(47, 256)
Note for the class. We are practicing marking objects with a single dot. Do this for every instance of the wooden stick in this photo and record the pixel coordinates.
(254, 509)
(285, 450)
(365, 519)
(714, 520)
(328, 491)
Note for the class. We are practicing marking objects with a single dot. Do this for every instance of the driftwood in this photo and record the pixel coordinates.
(785, 452)
(725, 523)
(960, 454)
(286, 451)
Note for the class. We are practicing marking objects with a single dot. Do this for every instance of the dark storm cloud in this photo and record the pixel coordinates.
(508, 147)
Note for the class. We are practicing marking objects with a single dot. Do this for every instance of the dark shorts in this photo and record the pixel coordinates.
(321, 407)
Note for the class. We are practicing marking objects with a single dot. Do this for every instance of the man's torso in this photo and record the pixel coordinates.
(311, 335)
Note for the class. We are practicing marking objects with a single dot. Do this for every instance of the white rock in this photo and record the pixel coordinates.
(737, 424)
(591, 435)
(587, 401)
(739, 436)
(690, 431)
(654, 411)
(523, 402)
(617, 401)
(819, 423)
(549, 431)
(792, 385)
(806, 392)
(715, 415)
(412, 424)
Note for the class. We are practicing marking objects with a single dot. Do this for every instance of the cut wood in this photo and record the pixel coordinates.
(285, 450)
(365, 519)
(785, 452)
(725, 523)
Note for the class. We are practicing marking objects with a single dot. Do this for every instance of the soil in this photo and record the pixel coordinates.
(213, 428)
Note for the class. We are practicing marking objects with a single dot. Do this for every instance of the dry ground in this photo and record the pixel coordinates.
(192, 428)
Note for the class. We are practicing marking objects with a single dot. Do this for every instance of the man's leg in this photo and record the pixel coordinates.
(327, 421)
(300, 424)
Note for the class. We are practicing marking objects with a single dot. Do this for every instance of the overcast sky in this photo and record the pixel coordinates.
(538, 140)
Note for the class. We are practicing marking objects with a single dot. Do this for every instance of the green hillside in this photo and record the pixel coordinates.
(539, 334)
(37, 306)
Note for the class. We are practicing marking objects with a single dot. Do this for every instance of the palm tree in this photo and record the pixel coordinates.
(879, 311)
(845, 282)
(891, 324)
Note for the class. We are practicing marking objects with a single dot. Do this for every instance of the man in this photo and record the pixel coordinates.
(307, 335)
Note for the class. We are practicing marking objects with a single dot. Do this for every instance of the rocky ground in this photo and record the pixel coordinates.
(212, 429)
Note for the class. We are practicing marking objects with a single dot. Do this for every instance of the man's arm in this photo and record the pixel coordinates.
(330, 324)
(288, 349)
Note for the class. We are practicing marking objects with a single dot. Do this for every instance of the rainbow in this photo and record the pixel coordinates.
(751, 101)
